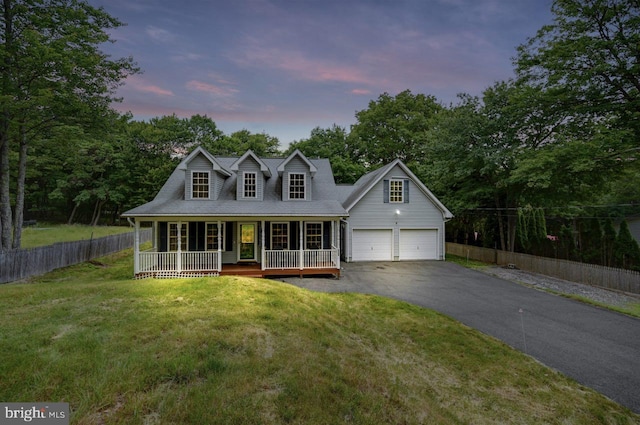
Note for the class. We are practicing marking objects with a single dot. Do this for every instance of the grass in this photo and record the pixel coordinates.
(234, 350)
(47, 234)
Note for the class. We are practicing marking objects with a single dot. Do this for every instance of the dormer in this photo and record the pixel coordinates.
(251, 174)
(296, 173)
(203, 177)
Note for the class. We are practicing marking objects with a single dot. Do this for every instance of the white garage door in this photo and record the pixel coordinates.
(371, 245)
(418, 244)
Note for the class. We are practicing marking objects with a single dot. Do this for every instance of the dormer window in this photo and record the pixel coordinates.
(249, 181)
(296, 186)
(200, 185)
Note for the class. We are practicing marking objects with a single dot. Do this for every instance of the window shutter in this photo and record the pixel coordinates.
(406, 191)
(228, 236)
(385, 191)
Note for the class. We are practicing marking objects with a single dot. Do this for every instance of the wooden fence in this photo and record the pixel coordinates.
(590, 274)
(23, 263)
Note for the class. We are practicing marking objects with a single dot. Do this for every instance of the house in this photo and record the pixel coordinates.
(283, 216)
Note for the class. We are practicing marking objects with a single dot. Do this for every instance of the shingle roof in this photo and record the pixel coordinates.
(328, 199)
(170, 200)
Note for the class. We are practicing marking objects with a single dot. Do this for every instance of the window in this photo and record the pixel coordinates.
(173, 237)
(313, 233)
(396, 191)
(249, 185)
(280, 236)
(200, 185)
(212, 236)
(296, 186)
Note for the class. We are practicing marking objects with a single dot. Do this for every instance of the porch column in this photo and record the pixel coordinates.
(136, 248)
(179, 252)
(262, 248)
(301, 228)
(220, 242)
(154, 236)
(336, 241)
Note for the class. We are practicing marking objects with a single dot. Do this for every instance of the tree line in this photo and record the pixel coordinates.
(545, 162)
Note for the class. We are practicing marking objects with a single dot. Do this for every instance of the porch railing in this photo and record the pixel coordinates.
(192, 261)
(312, 259)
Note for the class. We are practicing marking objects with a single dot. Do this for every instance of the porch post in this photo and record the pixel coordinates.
(262, 249)
(336, 241)
(136, 248)
(301, 231)
(179, 252)
(219, 265)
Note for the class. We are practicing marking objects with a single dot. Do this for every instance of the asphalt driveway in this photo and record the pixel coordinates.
(594, 346)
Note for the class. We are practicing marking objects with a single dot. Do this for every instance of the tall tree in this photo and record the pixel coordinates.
(589, 58)
(52, 72)
(626, 252)
(335, 144)
(394, 127)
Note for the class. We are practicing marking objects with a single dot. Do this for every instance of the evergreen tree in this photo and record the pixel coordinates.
(626, 252)
(608, 242)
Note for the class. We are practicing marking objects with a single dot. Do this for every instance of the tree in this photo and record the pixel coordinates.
(52, 72)
(335, 144)
(393, 127)
(241, 141)
(626, 252)
(588, 59)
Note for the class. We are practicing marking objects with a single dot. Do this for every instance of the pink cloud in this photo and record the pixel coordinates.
(211, 88)
(138, 84)
(361, 92)
(300, 66)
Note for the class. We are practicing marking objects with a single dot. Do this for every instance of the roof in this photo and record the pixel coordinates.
(328, 199)
(369, 180)
(170, 200)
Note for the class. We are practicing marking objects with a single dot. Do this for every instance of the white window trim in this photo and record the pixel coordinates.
(304, 186)
(208, 173)
(184, 236)
(402, 183)
(255, 180)
(288, 234)
(306, 236)
(222, 231)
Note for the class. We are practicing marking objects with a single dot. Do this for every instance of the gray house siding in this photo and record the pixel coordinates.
(201, 163)
(372, 212)
(250, 165)
(296, 165)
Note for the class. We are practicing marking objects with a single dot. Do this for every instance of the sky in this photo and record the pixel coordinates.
(284, 67)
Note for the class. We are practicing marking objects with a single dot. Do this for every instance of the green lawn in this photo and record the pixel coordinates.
(47, 234)
(250, 351)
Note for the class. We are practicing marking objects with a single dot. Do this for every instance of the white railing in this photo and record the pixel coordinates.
(313, 259)
(320, 258)
(197, 261)
(281, 259)
(151, 261)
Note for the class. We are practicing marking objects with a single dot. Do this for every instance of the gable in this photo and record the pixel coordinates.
(376, 185)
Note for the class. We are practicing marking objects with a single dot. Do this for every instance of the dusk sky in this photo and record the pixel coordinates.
(284, 67)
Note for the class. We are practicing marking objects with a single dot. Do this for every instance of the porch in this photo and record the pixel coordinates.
(152, 263)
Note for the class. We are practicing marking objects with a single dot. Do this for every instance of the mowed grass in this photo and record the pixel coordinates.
(48, 234)
(249, 351)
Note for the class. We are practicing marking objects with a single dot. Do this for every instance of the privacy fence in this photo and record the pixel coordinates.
(23, 263)
(590, 274)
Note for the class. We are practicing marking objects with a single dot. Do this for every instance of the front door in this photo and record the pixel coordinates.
(247, 246)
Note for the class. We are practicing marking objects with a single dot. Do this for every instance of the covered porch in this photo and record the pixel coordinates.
(192, 247)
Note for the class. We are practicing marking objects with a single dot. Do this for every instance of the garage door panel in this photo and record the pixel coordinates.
(372, 245)
(418, 244)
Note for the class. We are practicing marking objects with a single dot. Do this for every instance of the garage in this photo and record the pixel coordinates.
(372, 245)
(418, 244)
